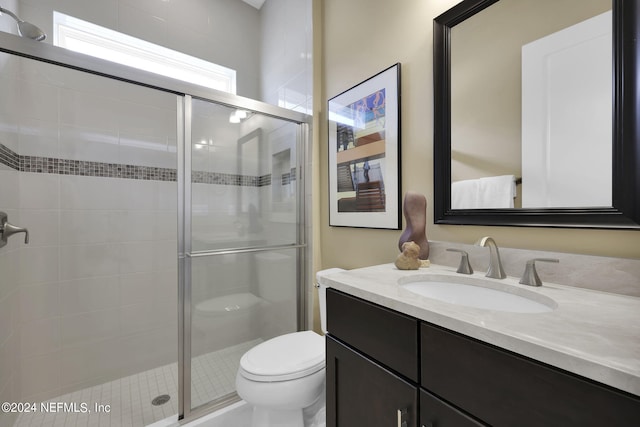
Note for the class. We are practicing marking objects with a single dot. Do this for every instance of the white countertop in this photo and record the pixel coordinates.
(590, 333)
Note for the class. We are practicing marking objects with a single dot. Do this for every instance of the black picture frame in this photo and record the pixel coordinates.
(364, 153)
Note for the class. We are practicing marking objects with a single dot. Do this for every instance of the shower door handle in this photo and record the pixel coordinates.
(7, 230)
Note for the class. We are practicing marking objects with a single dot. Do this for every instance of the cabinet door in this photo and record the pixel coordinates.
(362, 393)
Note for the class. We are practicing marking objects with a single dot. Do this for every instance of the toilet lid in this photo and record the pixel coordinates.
(227, 304)
(285, 357)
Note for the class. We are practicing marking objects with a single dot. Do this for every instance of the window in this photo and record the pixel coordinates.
(90, 39)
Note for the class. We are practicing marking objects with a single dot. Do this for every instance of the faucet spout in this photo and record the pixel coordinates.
(495, 270)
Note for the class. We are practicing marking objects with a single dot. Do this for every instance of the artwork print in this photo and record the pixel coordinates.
(363, 158)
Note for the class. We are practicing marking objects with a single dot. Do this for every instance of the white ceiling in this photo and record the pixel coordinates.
(255, 3)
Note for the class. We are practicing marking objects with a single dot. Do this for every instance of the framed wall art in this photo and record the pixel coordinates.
(364, 153)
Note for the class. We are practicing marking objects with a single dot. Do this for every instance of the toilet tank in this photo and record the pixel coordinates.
(322, 295)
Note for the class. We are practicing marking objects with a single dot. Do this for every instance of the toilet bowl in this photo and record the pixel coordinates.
(282, 376)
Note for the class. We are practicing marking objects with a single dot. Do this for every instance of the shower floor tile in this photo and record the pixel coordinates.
(129, 398)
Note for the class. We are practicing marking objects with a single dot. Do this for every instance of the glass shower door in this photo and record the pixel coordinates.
(244, 240)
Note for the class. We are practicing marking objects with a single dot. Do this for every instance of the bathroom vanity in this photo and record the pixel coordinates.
(397, 358)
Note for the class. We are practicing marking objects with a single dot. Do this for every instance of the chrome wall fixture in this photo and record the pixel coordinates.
(25, 29)
(7, 230)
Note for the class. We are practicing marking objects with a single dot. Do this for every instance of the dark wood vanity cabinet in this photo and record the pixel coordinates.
(371, 381)
(385, 368)
(373, 369)
(364, 393)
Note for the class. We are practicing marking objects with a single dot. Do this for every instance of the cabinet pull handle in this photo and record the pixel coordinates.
(402, 414)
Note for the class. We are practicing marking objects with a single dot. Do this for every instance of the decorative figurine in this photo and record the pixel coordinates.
(415, 213)
(408, 259)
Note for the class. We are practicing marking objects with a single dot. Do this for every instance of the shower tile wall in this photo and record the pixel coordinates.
(92, 297)
(286, 62)
(97, 281)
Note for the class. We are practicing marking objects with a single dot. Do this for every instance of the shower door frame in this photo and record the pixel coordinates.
(185, 92)
(186, 255)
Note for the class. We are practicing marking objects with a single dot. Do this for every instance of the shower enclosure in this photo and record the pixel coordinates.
(244, 246)
(167, 228)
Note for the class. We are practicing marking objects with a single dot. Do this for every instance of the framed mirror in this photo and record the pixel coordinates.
(497, 95)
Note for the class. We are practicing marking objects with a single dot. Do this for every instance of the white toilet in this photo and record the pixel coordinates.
(282, 376)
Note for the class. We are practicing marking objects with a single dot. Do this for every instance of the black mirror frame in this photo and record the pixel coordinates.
(625, 213)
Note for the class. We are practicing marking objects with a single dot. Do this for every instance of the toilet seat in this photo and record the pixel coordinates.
(284, 358)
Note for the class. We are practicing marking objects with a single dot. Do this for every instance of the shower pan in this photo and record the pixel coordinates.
(159, 250)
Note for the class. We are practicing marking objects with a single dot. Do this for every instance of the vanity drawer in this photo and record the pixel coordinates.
(504, 389)
(389, 337)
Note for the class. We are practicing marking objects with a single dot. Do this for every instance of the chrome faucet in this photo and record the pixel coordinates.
(495, 270)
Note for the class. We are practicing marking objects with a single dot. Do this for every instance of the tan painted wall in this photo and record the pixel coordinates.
(359, 38)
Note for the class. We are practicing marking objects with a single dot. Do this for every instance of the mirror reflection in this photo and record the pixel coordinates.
(532, 106)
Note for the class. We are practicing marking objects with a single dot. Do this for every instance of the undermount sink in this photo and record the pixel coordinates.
(471, 292)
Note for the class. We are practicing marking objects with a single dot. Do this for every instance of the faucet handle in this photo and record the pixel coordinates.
(465, 266)
(530, 276)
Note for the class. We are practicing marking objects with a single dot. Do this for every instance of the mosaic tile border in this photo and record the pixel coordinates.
(9, 157)
(37, 164)
(201, 177)
(99, 169)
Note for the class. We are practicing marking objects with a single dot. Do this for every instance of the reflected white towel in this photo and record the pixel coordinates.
(464, 194)
(484, 193)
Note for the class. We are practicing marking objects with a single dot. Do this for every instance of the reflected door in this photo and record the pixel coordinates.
(566, 151)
